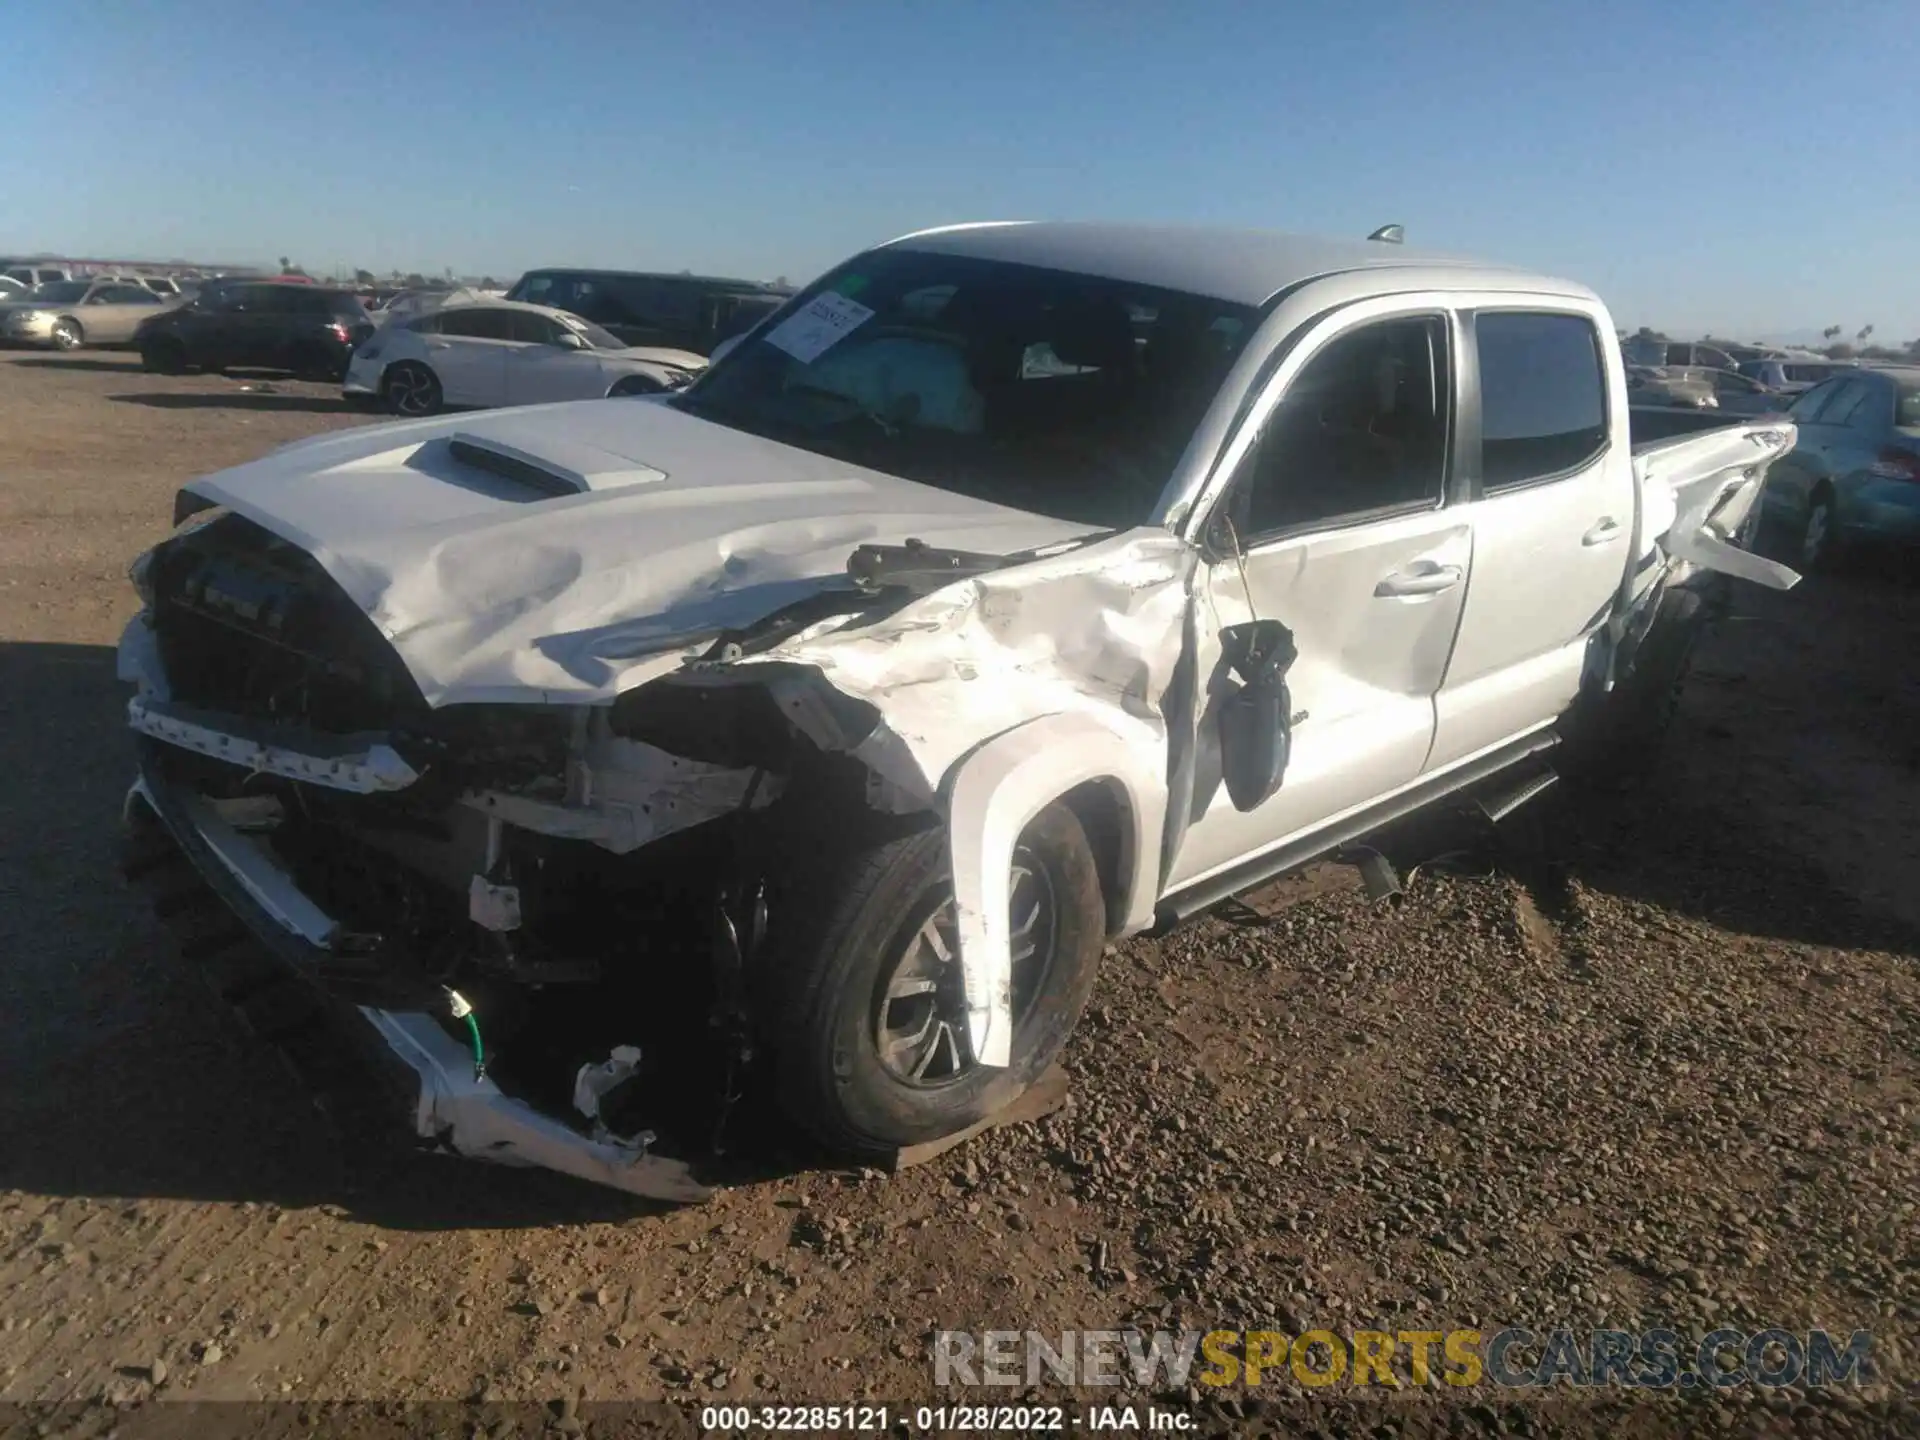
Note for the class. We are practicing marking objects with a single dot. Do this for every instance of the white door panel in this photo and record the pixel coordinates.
(1373, 611)
(1547, 562)
(540, 374)
(472, 371)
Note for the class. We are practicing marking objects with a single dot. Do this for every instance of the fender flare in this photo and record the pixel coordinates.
(992, 796)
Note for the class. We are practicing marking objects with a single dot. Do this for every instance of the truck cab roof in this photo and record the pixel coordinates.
(1248, 267)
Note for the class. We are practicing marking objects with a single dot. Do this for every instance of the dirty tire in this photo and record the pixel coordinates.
(410, 389)
(832, 1081)
(1819, 549)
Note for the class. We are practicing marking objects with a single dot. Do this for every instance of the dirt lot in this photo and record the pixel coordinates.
(1657, 1066)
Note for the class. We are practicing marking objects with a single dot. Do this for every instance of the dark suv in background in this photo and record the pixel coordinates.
(259, 325)
(683, 312)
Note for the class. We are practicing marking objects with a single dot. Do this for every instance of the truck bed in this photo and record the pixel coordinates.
(1655, 424)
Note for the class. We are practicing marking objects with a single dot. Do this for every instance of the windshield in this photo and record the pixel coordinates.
(60, 292)
(1067, 395)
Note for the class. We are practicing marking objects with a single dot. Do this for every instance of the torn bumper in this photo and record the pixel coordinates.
(456, 1110)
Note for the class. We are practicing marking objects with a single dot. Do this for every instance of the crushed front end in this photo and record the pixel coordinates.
(519, 902)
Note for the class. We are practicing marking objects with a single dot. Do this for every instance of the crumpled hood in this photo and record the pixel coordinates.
(492, 590)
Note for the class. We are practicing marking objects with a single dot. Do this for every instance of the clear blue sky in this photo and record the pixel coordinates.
(1735, 165)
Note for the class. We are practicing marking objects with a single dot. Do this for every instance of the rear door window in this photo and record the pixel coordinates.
(478, 324)
(1543, 397)
(1847, 399)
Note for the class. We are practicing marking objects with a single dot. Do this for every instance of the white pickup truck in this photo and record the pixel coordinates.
(1012, 589)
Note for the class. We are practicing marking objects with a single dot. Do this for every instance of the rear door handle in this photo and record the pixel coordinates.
(1423, 577)
(1605, 529)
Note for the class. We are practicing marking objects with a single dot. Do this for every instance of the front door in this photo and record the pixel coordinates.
(1336, 523)
(551, 363)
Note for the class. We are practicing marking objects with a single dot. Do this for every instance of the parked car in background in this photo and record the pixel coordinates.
(1792, 376)
(498, 352)
(682, 312)
(71, 313)
(1657, 385)
(32, 275)
(164, 286)
(405, 304)
(1853, 476)
(1741, 395)
(12, 289)
(1645, 351)
(259, 324)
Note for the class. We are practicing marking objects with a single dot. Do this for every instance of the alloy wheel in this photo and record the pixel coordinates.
(920, 1020)
(410, 390)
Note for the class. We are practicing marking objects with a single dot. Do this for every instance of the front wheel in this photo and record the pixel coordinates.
(872, 1045)
(411, 389)
(67, 335)
(634, 385)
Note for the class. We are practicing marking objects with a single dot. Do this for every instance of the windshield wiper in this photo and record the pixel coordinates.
(918, 568)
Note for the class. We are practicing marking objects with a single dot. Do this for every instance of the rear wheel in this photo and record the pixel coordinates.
(1819, 539)
(872, 1044)
(67, 335)
(411, 389)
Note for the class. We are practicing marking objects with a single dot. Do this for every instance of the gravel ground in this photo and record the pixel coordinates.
(1647, 1060)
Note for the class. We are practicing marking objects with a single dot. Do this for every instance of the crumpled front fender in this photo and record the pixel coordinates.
(992, 796)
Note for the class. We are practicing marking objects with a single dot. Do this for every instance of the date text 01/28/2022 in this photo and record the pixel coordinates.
(937, 1419)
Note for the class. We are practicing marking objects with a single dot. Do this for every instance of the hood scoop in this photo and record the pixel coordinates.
(561, 468)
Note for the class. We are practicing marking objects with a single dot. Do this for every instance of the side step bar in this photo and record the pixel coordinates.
(1183, 905)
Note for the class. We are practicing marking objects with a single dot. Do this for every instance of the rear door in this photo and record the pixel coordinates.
(115, 311)
(1552, 515)
(1855, 423)
(543, 366)
(468, 350)
(229, 326)
(1816, 415)
(1337, 523)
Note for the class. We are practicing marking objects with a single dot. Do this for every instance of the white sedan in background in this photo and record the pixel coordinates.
(502, 352)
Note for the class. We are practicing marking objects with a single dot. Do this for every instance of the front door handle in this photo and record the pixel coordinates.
(1605, 529)
(1423, 577)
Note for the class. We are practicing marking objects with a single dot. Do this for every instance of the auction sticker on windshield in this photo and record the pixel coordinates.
(818, 325)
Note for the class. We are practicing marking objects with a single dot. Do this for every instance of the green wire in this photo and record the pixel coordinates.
(479, 1052)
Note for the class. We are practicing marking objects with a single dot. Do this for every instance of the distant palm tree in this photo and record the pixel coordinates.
(1865, 331)
(1831, 333)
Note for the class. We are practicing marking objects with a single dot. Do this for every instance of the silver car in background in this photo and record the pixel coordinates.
(72, 313)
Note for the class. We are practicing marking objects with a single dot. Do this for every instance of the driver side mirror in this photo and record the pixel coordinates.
(1256, 719)
(567, 340)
